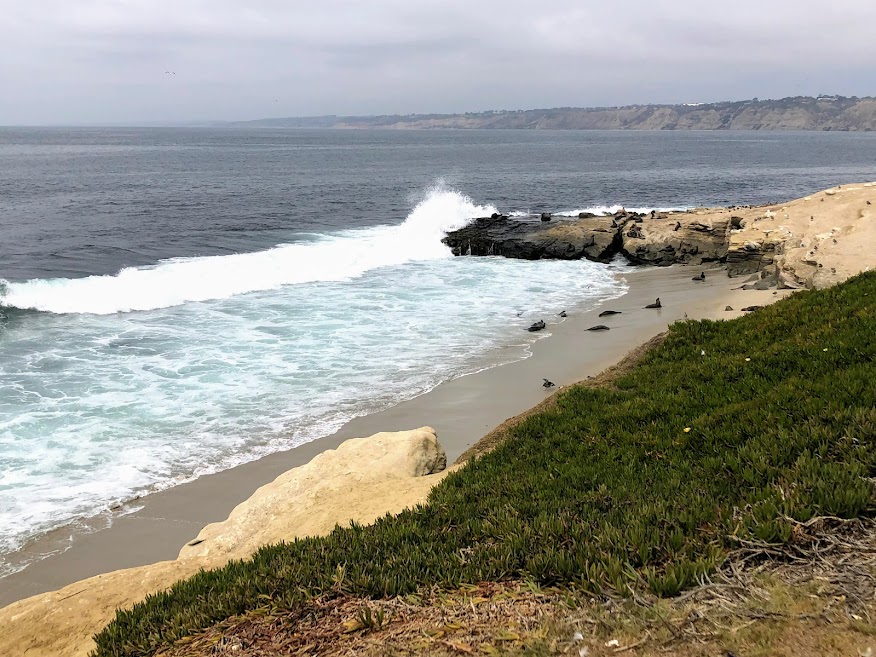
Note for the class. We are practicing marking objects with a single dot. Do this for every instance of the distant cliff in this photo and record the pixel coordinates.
(797, 113)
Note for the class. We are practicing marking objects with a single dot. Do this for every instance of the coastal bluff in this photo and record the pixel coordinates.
(362, 480)
(811, 242)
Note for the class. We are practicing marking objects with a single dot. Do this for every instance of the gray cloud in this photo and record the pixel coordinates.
(92, 61)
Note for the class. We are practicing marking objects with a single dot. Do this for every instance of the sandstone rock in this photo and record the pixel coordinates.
(658, 242)
(268, 516)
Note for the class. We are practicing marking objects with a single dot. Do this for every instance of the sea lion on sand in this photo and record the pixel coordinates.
(701, 277)
(563, 314)
(656, 304)
(599, 327)
(608, 313)
(538, 326)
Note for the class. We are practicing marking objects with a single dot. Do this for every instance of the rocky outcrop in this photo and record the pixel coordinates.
(671, 239)
(812, 242)
(362, 480)
(531, 239)
(659, 239)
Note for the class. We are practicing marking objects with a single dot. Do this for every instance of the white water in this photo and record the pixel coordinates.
(338, 257)
(601, 210)
(234, 357)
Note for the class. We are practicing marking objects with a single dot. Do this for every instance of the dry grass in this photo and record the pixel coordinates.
(816, 597)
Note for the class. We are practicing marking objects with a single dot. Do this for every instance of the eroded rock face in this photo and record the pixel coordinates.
(670, 239)
(658, 239)
(812, 242)
(527, 239)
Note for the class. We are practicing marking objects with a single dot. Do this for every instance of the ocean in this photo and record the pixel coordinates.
(174, 302)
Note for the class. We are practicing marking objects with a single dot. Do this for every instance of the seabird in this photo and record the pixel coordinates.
(547, 384)
(701, 277)
(656, 304)
(599, 327)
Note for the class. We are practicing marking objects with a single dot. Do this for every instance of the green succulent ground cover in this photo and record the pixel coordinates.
(607, 489)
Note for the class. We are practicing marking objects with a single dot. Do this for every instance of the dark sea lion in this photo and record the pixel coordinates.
(656, 304)
(563, 314)
(701, 277)
(608, 313)
(538, 326)
(599, 327)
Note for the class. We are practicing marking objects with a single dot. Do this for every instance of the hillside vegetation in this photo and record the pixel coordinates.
(795, 113)
(728, 431)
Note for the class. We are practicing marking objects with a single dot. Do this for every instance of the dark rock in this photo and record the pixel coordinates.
(545, 216)
(736, 223)
(728, 308)
(608, 313)
(599, 327)
(596, 238)
(538, 326)
(586, 215)
(593, 239)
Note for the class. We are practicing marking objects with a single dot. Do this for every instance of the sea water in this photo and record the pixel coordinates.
(176, 302)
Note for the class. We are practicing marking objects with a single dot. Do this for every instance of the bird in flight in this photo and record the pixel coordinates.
(170, 72)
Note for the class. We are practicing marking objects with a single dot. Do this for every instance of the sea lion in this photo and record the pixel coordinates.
(599, 327)
(701, 277)
(656, 304)
(563, 314)
(608, 313)
(538, 326)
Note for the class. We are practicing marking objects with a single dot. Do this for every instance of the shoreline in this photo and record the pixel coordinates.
(462, 411)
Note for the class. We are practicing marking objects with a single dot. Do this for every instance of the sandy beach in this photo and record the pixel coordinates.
(461, 411)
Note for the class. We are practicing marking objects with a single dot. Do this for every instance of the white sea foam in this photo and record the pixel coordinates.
(96, 409)
(338, 257)
(601, 210)
(611, 209)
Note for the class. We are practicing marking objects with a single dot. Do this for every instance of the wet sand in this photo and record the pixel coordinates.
(462, 411)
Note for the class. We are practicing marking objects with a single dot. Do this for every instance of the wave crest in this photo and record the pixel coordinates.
(341, 256)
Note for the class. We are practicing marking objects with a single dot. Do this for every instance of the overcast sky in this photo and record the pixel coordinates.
(94, 61)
